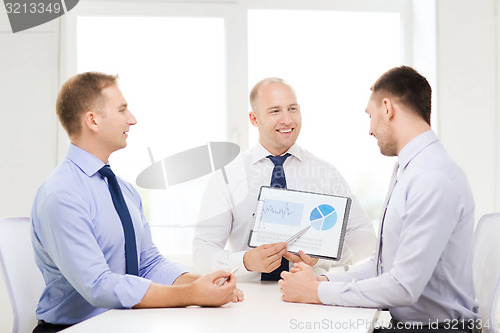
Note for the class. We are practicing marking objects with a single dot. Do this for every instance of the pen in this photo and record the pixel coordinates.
(298, 234)
(227, 278)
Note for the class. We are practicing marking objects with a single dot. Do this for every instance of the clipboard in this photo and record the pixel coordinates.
(282, 213)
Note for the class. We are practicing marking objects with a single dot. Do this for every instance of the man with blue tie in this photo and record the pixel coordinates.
(422, 268)
(231, 195)
(92, 242)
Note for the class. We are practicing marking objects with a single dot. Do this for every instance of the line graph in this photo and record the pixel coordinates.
(282, 212)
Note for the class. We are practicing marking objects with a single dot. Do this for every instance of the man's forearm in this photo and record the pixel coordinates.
(161, 296)
(203, 290)
(186, 278)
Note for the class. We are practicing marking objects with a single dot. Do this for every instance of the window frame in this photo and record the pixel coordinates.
(234, 14)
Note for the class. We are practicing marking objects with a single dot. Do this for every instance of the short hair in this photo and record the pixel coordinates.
(409, 87)
(254, 93)
(79, 94)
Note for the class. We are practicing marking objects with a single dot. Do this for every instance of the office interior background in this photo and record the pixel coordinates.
(186, 68)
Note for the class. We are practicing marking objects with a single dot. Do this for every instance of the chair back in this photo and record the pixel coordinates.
(23, 278)
(487, 269)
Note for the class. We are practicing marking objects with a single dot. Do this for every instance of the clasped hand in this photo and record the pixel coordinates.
(211, 294)
(300, 285)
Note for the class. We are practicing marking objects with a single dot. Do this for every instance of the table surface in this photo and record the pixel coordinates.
(261, 311)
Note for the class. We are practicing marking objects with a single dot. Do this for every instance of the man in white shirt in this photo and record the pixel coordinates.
(231, 195)
(422, 270)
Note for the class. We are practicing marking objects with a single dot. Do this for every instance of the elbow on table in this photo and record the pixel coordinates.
(101, 295)
(103, 300)
(405, 297)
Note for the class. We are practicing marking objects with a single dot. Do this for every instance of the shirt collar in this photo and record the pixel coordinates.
(260, 152)
(415, 146)
(84, 160)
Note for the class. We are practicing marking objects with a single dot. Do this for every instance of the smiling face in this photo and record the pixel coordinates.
(115, 120)
(379, 125)
(277, 117)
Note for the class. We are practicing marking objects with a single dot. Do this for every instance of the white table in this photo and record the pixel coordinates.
(261, 311)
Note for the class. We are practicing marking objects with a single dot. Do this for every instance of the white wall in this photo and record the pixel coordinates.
(28, 84)
(467, 68)
(467, 71)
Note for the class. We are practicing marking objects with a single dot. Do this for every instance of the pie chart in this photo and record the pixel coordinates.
(323, 217)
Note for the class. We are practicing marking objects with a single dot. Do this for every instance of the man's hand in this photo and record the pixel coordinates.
(265, 258)
(237, 296)
(207, 292)
(300, 285)
(190, 289)
(302, 257)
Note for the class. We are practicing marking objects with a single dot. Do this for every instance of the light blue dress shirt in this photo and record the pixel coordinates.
(79, 244)
(427, 244)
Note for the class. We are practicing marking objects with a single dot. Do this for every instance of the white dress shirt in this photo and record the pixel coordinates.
(226, 210)
(427, 249)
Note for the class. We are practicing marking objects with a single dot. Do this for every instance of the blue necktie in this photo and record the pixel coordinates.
(123, 212)
(277, 180)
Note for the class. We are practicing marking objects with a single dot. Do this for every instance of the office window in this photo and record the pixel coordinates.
(331, 58)
(186, 70)
(172, 73)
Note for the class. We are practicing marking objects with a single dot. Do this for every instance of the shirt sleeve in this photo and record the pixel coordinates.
(214, 229)
(360, 271)
(433, 208)
(67, 235)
